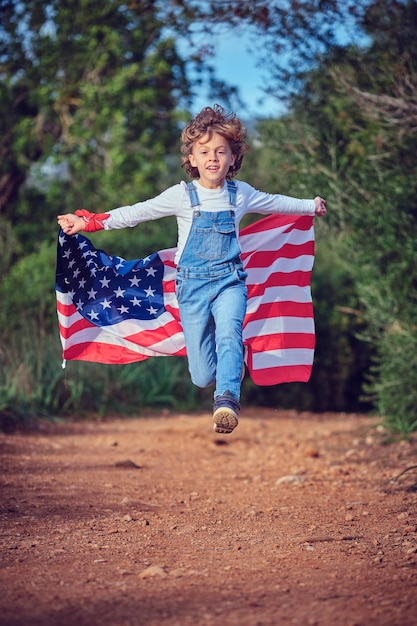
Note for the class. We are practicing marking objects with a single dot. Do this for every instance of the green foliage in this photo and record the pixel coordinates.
(370, 161)
(394, 380)
(30, 376)
(27, 292)
(104, 389)
(93, 104)
(33, 384)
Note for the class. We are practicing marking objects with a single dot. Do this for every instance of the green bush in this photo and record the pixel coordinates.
(394, 383)
(33, 383)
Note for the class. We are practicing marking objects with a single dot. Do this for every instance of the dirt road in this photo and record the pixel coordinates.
(292, 519)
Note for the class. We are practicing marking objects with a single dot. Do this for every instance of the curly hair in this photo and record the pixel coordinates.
(214, 120)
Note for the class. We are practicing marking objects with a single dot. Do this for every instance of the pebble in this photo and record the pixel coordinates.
(290, 479)
(153, 571)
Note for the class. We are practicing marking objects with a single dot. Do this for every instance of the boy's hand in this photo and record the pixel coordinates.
(71, 224)
(320, 206)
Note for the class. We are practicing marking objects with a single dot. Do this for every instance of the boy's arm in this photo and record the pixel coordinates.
(82, 220)
(320, 206)
(256, 201)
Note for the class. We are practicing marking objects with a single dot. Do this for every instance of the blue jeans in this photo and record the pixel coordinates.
(212, 296)
(212, 313)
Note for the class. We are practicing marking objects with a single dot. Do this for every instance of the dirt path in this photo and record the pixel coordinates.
(293, 519)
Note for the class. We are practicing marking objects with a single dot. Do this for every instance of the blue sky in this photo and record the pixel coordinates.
(236, 62)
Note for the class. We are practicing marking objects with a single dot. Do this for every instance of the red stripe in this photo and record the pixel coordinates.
(288, 251)
(105, 353)
(148, 338)
(282, 341)
(102, 353)
(169, 286)
(283, 374)
(280, 309)
(302, 222)
(279, 279)
(69, 331)
(174, 312)
(65, 309)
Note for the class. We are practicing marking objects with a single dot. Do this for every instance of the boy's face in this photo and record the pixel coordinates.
(213, 158)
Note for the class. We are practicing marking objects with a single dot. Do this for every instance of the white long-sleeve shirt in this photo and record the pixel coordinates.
(175, 201)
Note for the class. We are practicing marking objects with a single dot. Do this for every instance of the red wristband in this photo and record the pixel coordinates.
(93, 221)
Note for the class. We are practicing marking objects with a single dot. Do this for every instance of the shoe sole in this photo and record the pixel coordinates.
(225, 421)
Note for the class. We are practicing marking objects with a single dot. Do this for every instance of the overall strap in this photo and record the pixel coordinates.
(195, 201)
(232, 188)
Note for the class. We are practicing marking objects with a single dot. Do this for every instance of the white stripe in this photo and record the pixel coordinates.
(125, 327)
(275, 238)
(98, 335)
(280, 294)
(63, 298)
(277, 358)
(280, 325)
(257, 275)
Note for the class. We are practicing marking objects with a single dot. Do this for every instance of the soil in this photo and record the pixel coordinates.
(295, 518)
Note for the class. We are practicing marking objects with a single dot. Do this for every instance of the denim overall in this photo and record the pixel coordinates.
(211, 293)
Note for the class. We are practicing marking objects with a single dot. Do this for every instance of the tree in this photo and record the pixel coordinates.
(357, 115)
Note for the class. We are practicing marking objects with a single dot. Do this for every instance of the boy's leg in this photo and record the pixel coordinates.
(198, 327)
(229, 311)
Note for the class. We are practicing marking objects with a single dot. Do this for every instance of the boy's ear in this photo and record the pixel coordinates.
(191, 159)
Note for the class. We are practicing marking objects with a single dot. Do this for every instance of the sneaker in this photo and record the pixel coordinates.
(225, 417)
(225, 420)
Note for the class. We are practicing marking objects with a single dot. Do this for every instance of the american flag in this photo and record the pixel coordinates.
(111, 310)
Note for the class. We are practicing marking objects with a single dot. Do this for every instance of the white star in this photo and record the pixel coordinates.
(104, 282)
(93, 315)
(152, 311)
(82, 283)
(62, 240)
(135, 301)
(134, 281)
(82, 244)
(93, 271)
(150, 292)
(120, 263)
(123, 309)
(150, 271)
(71, 263)
(76, 272)
(148, 258)
(91, 294)
(66, 254)
(79, 304)
(119, 292)
(106, 304)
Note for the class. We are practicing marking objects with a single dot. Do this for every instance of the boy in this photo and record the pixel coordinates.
(210, 279)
